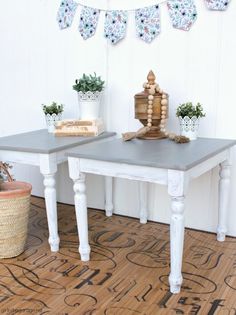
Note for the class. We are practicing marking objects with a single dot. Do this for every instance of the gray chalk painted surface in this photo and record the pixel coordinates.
(41, 141)
(154, 153)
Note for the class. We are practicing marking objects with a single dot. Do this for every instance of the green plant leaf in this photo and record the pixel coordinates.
(188, 109)
(89, 83)
(53, 108)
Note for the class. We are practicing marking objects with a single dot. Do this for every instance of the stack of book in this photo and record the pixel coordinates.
(76, 127)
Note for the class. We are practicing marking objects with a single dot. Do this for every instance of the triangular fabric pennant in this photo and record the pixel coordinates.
(88, 22)
(115, 25)
(183, 13)
(66, 13)
(217, 5)
(147, 22)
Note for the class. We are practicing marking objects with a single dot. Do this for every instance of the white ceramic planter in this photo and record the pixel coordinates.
(51, 120)
(189, 127)
(89, 104)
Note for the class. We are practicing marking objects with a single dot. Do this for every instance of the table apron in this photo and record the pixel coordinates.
(209, 164)
(30, 158)
(33, 158)
(19, 157)
(122, 170)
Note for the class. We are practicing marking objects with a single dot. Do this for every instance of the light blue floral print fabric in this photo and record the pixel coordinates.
(115, 25)
(66, 13)
(147, 23)
(88, 22)
(219, 5)
(183, 13)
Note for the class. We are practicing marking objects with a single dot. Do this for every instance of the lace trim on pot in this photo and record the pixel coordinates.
(89, 96)
(189, 124)
(51, 119)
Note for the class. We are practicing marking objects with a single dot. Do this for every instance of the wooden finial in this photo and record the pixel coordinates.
(151, 77)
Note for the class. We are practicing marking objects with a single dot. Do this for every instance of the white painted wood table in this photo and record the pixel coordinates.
(43, 149)
(163, 162)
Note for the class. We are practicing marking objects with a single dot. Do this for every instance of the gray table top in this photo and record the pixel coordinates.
(41, 141)
(154, 153)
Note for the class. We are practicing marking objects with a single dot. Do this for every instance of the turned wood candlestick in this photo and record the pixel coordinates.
(158, 110)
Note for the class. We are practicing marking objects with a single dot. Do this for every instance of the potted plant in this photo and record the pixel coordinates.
(89, 88)
(53, 113)
(189, 116)
(14, 213)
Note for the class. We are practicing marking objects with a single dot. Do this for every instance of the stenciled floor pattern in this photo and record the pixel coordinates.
(127, 274)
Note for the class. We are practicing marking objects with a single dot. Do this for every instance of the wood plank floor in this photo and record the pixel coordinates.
(127, 274)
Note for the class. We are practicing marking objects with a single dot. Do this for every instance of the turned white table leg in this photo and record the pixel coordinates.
(176, 191)
(224, 187)
(108, 195)
(80, 207)
(143, 192)
(177, 243)
(48, 168)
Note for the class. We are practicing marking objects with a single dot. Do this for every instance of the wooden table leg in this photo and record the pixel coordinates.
(80, 207)
(224, 187)
(48, 168)
(176, 191)
(108, 196)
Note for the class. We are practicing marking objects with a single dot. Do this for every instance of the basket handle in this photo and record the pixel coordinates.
(4, 167)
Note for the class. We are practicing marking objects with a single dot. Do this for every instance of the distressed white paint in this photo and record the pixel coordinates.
(48, 168)
(108, 196)
(224, 185)
(143, 202)
(39, 64)
(176, 243)
(177, 182)
(80, 207)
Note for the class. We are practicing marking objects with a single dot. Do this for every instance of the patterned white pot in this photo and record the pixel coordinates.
(89, 104)
(51, 120)
(189, 127)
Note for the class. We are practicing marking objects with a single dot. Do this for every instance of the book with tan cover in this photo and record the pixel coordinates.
(80, 130)
(78, 122)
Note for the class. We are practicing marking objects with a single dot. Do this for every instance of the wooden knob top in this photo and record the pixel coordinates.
(151, 78)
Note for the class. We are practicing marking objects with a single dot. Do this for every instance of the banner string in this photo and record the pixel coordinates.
(127, 10)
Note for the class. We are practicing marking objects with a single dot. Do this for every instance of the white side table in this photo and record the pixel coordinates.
(43, 149)
(163, 162)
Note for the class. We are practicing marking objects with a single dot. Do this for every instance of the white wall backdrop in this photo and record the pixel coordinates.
(39, 64)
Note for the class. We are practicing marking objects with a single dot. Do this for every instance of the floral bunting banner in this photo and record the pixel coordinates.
(183, 14)
(66, 12)
(115, 25)
(218, 5)
(88, 22)
(148, 23)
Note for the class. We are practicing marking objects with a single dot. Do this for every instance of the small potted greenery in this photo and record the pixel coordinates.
(89, 89)
(189, 117)
(53, 113)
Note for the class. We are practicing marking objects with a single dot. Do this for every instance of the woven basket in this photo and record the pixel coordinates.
(14, 214)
